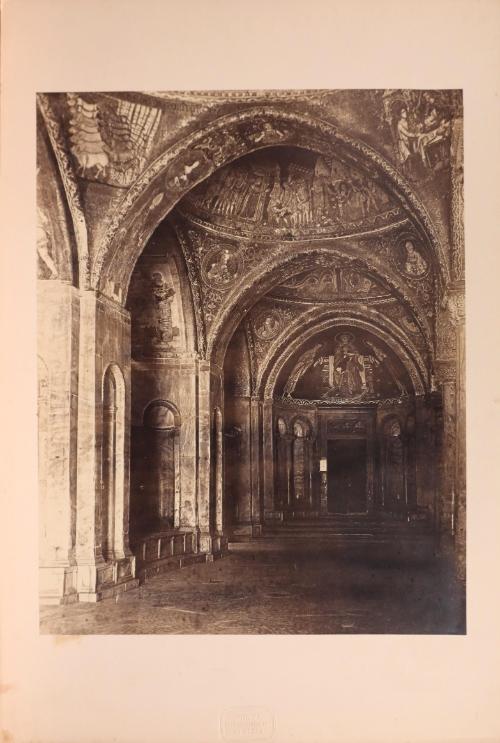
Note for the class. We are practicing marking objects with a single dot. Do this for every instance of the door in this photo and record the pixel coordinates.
(347, 476)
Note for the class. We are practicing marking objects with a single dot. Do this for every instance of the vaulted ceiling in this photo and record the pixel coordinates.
(290, 193)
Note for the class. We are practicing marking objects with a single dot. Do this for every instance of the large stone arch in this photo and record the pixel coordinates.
(350, 314)
(282, 267)
(181, 167)
(420, 383)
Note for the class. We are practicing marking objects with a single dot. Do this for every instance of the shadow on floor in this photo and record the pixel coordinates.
(293, 591)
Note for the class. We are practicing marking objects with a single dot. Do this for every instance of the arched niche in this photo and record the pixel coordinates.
(112, 505)
(160, 416)
(393, 472)
(160, 302)
(155, 496)
(282, 464)
(302, 465)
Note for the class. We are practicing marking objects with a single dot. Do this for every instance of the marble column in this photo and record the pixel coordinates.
(203, 494)
(218, 471)
(289, 438)
(108, 480)
(177, 479)
(182, 390)
(268, 456)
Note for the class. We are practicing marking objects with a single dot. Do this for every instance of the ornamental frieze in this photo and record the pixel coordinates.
(331, 283)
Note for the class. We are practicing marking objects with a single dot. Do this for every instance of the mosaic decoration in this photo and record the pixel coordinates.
(350, 370)
(270, 194)
(220, 267)
(110, 138)
(421, 125)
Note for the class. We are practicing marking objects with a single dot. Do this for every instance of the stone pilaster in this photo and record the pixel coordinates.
(88, 550)
(451, 374)
(447, 505)
(268, 456)
(58, 317)
(102, 320)
(460, 475)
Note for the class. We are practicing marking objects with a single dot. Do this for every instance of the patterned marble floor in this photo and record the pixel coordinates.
(287, 592)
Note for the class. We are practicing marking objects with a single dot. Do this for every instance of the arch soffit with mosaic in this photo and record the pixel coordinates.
(282, 267)
(348, 313)
(67, 181)
(150, 199)
(416, 370)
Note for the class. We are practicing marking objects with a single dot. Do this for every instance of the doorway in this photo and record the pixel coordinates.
(347, 475)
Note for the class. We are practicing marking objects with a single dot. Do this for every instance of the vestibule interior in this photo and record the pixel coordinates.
(318, 404)
(274, 353)
(343, 433)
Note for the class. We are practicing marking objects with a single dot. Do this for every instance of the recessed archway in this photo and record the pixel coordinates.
(194, 159)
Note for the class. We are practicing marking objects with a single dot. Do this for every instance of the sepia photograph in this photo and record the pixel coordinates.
(251, 362)
(251, 414)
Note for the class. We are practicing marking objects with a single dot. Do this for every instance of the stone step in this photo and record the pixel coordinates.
(372, 550)
(344, 530)
(325, 539)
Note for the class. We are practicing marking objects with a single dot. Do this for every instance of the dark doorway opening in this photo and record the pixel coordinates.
(347, 476)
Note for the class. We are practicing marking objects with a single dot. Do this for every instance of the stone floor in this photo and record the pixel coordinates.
(291, 591)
